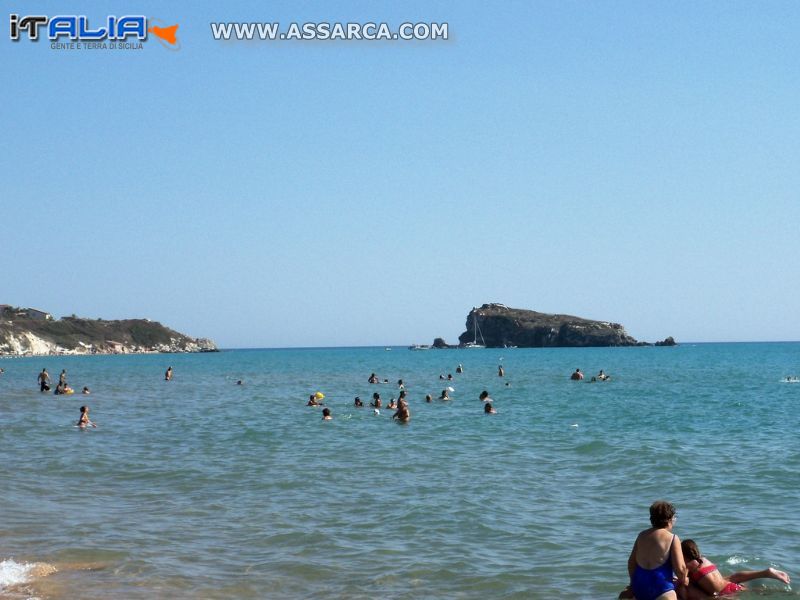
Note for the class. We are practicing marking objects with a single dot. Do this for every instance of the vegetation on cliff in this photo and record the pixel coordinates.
(500, 326)
(27, 331)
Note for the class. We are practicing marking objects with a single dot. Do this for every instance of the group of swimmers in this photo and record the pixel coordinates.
(661, 567)
(601, 376)
(62, 388)
(402, 412)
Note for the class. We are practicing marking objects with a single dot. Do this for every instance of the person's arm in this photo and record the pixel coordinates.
(632, 559)
(678, 564)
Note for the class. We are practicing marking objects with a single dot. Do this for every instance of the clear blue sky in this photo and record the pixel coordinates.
(628, 161)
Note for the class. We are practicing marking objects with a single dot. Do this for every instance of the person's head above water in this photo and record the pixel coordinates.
(661, 514)
(690, 551)
(484, 395)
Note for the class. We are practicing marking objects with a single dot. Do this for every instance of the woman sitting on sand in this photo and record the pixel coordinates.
(708, 580)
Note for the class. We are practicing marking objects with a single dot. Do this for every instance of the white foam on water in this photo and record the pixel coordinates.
(13, 573)
(736, 560)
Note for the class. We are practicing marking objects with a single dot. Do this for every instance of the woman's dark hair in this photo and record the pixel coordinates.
(402, 394)
(326, 411)
(487, 408)
(375, 396)
(484, 394)
(690, 551)
(661, 513)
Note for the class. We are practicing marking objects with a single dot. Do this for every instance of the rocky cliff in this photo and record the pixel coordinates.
(25, 332)
(499, 326)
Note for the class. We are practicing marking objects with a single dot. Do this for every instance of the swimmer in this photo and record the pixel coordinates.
(86, 391)
(376, 400)
(441, 376)
(312, 401)
(428, 398)
(392, 404)
(373, 379)
(488, 409)
(444, 396)
(44, 380)
(63, 377)
(705, 575)
(240, 382)
(326, 414)
(577, 375)
(400, 384)
(358, 403)
(508, 384)
(501, 372)
(602, 376)
(84, 420)
(168, 374)
(459, 368)
(484, 397)
(449, 377)
(403, 415)
(61, 388)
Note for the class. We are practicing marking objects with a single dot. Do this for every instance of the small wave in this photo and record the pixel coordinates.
(13, 573)
(736, 560)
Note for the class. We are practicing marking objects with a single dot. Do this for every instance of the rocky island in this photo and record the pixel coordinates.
(29, 332)
(498, 326)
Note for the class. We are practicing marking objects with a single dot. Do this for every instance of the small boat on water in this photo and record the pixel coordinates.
(419, 347)
(476, 331)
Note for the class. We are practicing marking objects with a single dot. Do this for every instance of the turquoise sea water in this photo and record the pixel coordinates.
(199, 488)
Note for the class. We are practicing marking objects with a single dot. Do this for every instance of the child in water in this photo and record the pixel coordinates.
(84, 420)
(705, 575)
(326, 414)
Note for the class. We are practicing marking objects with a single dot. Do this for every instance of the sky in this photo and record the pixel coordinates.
(634, 162)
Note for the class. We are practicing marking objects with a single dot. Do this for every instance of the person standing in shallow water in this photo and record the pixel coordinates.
(44, 381)
(577, 375)
(501, 371)
(168, 374)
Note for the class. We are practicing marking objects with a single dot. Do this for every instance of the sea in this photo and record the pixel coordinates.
(203, 488)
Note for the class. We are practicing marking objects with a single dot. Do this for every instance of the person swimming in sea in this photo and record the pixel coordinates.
(444, 395)
(44, 381)
(358, 403)
(705, 575)
(459, 368)
(392, 404)
(168, 374)
(312, 401)
(376, 400)
(602, 376)
(501, 372)
(84, 421)
(326, 414)
(403, 414)
(484, 397)
(488, 409)
(428, 398)
(86, 391)
(577, 375)
(373, 379)
(400, 384)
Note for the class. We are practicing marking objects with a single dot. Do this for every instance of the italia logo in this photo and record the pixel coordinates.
(76, 28)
